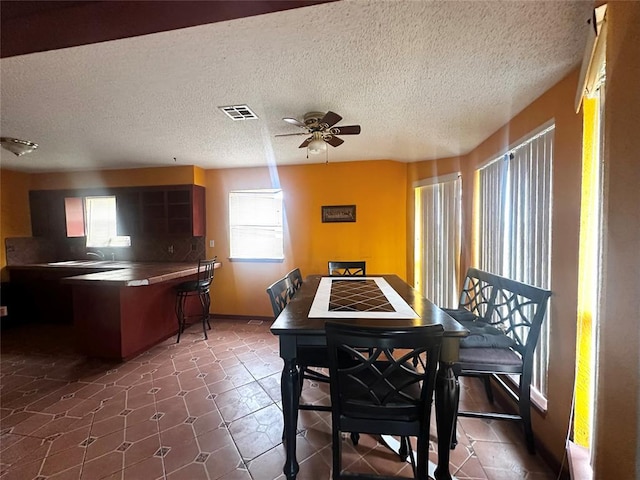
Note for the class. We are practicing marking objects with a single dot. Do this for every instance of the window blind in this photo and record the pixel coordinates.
(256, 226)
(437, 245)
(514, 224)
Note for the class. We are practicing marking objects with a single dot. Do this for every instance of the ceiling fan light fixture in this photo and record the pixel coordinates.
(16, 146)
(317, 145)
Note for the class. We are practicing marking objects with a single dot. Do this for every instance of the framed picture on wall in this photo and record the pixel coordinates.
(338, 213)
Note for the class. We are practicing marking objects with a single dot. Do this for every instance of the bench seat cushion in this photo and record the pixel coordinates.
(461, 314)
(481, 334)
(493, 359)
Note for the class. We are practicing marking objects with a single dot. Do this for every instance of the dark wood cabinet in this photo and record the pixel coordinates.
(47, 213)
(154, 212)
(128, 212)
(173, 210)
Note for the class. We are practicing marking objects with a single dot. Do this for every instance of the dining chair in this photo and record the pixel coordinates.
(347, 269)
(307, 356)
(504, 318)
(378, 391)
(201, 288)
(279, 295)
(295, 281)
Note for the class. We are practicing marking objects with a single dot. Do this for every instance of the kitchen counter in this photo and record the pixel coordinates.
(111, 272)
(119, 309)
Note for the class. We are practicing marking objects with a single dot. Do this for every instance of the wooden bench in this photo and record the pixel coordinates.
(504, 318)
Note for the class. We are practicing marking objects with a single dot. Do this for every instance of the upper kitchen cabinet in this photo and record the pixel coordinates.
(128, 211)
(48, 217)
(173, 210)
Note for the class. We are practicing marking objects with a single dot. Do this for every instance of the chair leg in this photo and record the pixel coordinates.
(487, 387)
(403, 451)
(422, 470)
(303, 368)
(205, 313)
(524, 405)
(411, 456)
(208, 308)
(337, 453)
(180, 315)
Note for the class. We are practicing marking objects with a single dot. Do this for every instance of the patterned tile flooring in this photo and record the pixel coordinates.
(194, 410)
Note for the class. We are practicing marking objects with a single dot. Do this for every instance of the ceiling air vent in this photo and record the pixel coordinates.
(238, 112)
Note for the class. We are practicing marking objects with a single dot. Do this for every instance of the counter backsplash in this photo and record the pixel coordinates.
(27, 250)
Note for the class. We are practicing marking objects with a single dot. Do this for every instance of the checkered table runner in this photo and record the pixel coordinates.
(358, 296)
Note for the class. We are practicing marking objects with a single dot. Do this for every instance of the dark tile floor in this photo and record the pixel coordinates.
(196, 410)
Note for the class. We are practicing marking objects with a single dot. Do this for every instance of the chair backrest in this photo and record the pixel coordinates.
(514, 307)
(279, 295)
(295, 281)
(347, 269)
(205, 272)
(364, 361)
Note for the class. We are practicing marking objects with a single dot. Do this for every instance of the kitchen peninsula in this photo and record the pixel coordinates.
(119, 309)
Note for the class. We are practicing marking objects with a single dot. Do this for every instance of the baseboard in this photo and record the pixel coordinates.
(579, 462)
(241, 317)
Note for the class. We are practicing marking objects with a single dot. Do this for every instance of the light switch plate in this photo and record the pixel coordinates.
(211, 243)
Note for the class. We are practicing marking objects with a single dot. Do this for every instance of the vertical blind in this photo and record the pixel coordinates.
(492, 185)
(437, 245)
(514, 220)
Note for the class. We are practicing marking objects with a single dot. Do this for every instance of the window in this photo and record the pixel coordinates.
(512, 228)
(101, 223)
(591, 96)
(437, 239)
(74, 216)
(255, 224)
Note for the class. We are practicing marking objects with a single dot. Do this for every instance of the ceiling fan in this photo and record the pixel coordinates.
(322, 130)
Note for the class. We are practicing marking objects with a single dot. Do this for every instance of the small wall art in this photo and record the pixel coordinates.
(338, 213)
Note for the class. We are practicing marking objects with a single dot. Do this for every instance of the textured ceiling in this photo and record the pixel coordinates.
(423, 79)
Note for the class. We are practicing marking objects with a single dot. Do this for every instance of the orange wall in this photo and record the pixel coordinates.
(378, 189)
(182, 175)
(199, 176)
(15, 220)
(617, 442)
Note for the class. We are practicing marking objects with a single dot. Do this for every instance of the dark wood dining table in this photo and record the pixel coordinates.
(295, 328)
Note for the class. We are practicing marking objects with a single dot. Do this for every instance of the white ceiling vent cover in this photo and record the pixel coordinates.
(239, 112)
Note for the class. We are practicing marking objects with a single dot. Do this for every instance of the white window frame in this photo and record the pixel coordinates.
(256, 224)
(101, 223)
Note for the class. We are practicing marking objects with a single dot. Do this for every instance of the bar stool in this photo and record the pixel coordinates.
(200, 288)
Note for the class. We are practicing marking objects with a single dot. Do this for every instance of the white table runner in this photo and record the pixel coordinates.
(400, 308)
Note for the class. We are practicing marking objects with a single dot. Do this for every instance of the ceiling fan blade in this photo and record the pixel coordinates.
(348, 130)
(306, 143)
(334, 141)
(295, 122)
(291, 134)
(329, 120)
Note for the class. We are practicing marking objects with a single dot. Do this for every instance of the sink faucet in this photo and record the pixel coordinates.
(96, 254)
